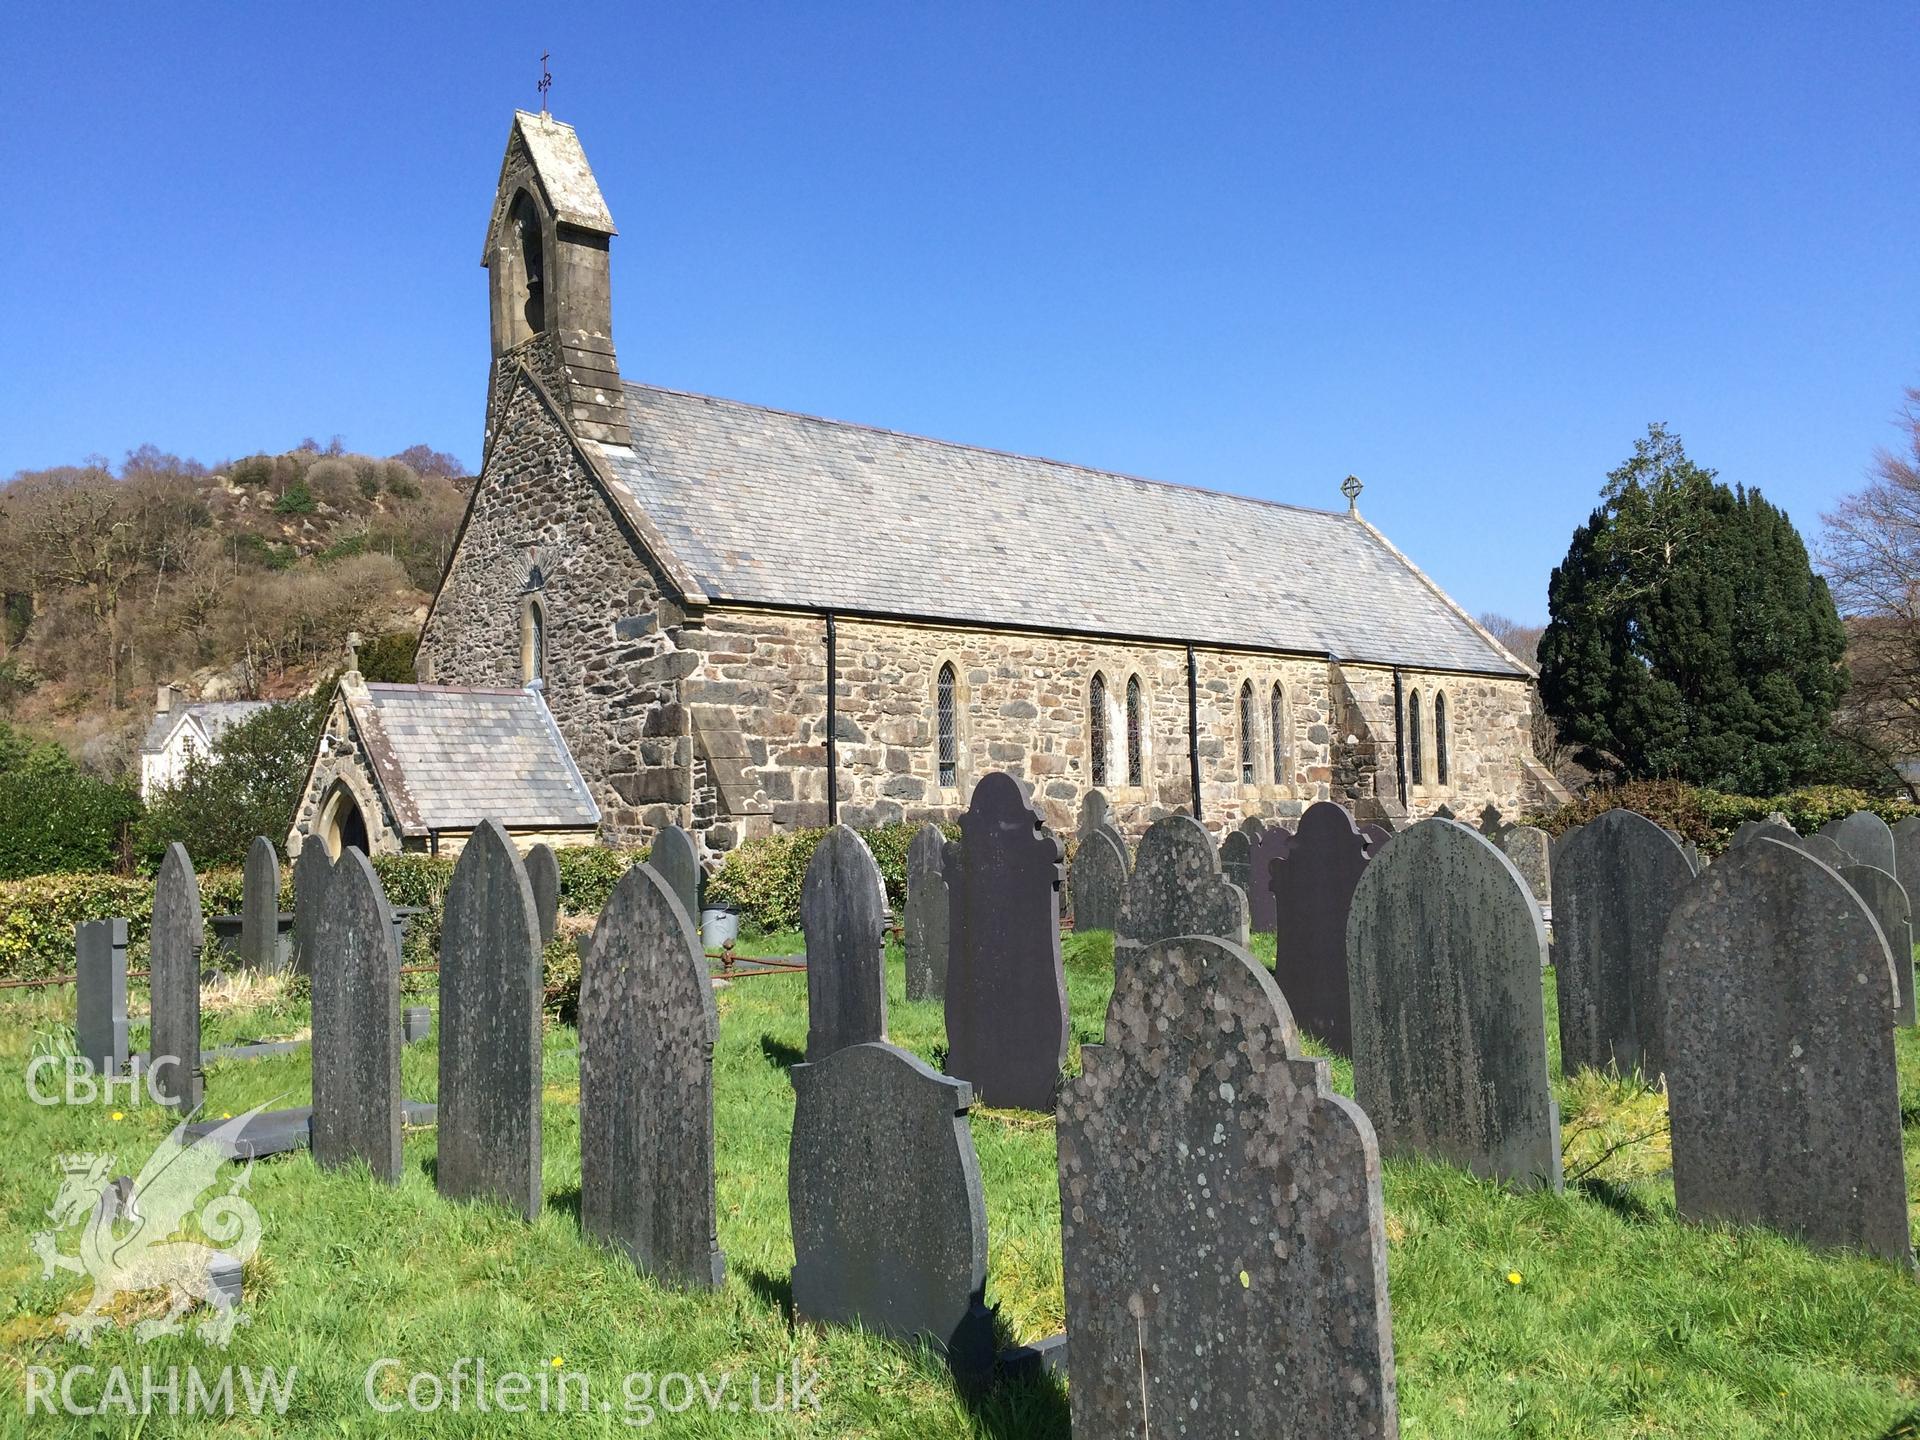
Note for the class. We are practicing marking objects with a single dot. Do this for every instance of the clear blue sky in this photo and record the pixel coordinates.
(1467, 253)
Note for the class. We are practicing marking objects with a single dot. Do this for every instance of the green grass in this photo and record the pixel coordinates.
(1625, 1322)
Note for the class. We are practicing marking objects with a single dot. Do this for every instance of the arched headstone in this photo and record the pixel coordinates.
(175, 942)
(1006, 991)
(1099, 882)
(676, 860)
(647, 1028)
(1221, 1230)
(1528, 847)
(1826, 850)
(1253, 827)
(1095, 812)
(1614, 885)
(1906, 855)
(1236, 859)
(1313, 892)
(1444, 952)
(356, 1025)
(843, 912)
(260, 908)
(926, 915)
(1866, 838)
(543, 873)
(490, 999)
(312, 872)
(1887, 901)
(1271, 845)
(1377, 838)
(889, 1218)
(1177, 889)
(1782, 1085)
(1751, 830)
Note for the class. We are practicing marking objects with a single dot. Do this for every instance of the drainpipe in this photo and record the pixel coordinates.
(1399, 739)
(833, 749)
(1193, 728)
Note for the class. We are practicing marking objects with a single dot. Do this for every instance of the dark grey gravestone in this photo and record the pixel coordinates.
(490, 996)
(1614, 885)
(647, 1028)
(926, 916)
(1236, 859)
(543, 873)
(1271, 846)
(1222, 1236)
(415, 1020)
(1313, 892)
(177, 937)
(312, 870)
(1561, 841)
(260, 908)
(1906, 855)
(1529, 848)
(1445, 812)
(1377, 837)
(1095, 813)
(1006, 992)
(1866, 838)
(1886, 900)
(1781, 1080)
(1099, 882)
(1492, 822)
(1826, 850)
(1763, 830)
(676, 860)
(1177, 889)
(356, 1025)
(843, 912)
(889, 1219)
(1253, 827)
(100, 993)
(1444, 952)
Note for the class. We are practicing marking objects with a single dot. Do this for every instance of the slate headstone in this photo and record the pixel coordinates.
(1887, 901)
(1177, 889)
(1614, 885)
(1006, 991)
(543, 873)
(1236, 859)
(1444, 953)
(1763, 830)
(260, 908)
(490, 999)
(926, 917)
(676, 859)
(1272, 845)
(356, 1025)
(1253, 827)
(1782, 1086)
(312, 872)
(1492, 822)
(1826, 850)
(647, 1028)
(1313, 892)
(1222, 1235)
(1906, 855)
(1377, 838)
(843, 912)
(100, 993)
(1866, 838)
(175, 941)
(889, 1218)
(1099, 882)
(1445, 812)
(1529, 847)
(1095, 812)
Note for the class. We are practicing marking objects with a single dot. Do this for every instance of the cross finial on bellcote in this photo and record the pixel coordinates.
(546, 81)
(1351, 488)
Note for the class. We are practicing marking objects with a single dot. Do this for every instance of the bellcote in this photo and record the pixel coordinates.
(549, 285)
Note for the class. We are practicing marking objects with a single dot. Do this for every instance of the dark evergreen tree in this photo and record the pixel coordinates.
(1688, 637)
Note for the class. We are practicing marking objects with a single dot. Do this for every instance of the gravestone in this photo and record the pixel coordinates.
(1444, 952)
(926, 917)
(889, 1218)
(1313, 892)
(1271, 846)
(1222, 1236)
(676, 860)
(1236, 860)
(100, 993)
(1492, 822)
(543, 873)
(1751, 830)
(1529, 847)
(1377, 837)
(356, 1025)
(1445, 812)
(647, 1028)
(1253, 827)
(1177, 889)
(260, 908)
(175, 941)
(1095, 812)
(1099, 882)
(1867, 839)
(1906, 855)
(1614, 885)
(1887, 901)
(312, 871)
(1781, 1078)
(490, 998)
(843, 912)
(1006, 992)
(1826, 850)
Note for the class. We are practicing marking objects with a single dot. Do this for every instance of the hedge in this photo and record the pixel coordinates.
(1710, 817)
(762, 878)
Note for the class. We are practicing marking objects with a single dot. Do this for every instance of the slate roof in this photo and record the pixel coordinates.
(776, 508)
(213, 718)
(561, 167)
(447, 758)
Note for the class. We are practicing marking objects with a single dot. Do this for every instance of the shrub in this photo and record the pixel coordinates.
(296, 499)
(54, 817)
(250, 785)
(762, 878)
(1710, 817)
(588, 874)
(255, 472)
(38, 915)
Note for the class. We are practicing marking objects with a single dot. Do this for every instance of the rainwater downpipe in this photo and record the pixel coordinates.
(1193, 728)
(833, 756)
(1399, 738)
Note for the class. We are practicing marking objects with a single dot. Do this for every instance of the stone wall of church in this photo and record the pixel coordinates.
(1488, 733)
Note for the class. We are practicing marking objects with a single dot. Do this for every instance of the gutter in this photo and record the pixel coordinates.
(1193, 728)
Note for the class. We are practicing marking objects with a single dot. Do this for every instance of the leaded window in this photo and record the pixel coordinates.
(1440, 758)
(1246, 732)
(1097, 727)
(1277, 722)
(1136, 768)
(1416, 754)
(949, 753)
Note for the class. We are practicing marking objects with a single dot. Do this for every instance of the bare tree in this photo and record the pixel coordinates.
(1522, 640)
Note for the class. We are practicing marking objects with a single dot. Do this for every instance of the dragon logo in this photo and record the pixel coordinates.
(131, 1241)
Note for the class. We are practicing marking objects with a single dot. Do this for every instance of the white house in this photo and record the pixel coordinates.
(180, 731)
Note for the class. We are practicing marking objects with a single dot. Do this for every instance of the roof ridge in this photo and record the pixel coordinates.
(1126, 475)
(393, 685)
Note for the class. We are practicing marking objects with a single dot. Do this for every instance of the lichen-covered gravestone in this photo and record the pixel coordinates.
(647, 1028)
(312, 872)
(177, 937)
(490, 997)
(1529, 848)
(843, 912)
(543, 873)
(1444, 952)
(1006, 991)
(1826, 850)
(1751, 830)
(1781, 1079)
(1236, 859)
(356, 1025)
(1313, 891)
(1221, 1230)
(1866, 838)
(926, 917)
(1906, 855)
(1177, 889)
(100, 993)
(676, 860)
(1099, 882)
(1614, 885)
(889, 1219)
(260, 908)
(1887, 901)
(1271, 845)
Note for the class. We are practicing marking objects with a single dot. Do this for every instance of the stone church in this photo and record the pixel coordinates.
(744, 619)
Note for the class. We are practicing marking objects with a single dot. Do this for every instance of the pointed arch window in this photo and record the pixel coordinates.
(945, 704)
(1416, 754)
(1136, 719)
(533, 642)
(1246, 732)
(1443, 764)
(1277, 723)
(1097, 728)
